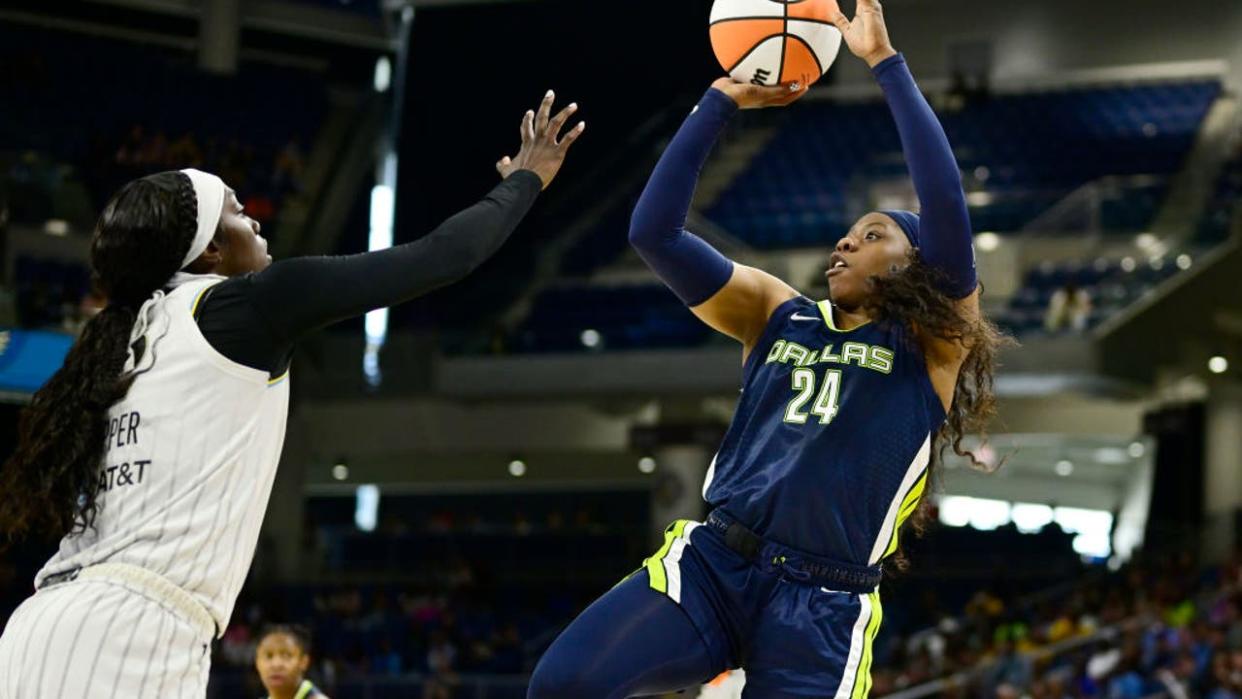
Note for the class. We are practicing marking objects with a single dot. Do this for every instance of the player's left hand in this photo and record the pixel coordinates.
(748, 96)
(543, 145)
(866, 36)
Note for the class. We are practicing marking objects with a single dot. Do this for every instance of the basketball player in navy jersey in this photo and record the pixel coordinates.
(845, 404)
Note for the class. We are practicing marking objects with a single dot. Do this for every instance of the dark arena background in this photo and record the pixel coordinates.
(461, 477)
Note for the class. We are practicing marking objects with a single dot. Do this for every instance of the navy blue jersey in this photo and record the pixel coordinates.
(829, 446)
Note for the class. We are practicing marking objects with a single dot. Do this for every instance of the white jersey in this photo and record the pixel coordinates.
(191, 455)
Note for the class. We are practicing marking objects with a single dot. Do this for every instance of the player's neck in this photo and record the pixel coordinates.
(848, 320)
(285, 693)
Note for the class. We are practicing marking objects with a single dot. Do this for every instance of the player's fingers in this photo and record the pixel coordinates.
(502, 164)
(545, 109)
(794, 95)
(558, 121)
(840, 21)
(761, 94)
(572, 135)
(528, 127)
(870, 5)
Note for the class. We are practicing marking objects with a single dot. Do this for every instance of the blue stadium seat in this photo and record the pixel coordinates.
(1036, 148)
(1108, 284)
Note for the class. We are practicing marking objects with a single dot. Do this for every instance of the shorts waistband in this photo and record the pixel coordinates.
(797, 565)
(152, 584)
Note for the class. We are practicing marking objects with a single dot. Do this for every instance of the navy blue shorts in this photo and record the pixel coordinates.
(792, 638)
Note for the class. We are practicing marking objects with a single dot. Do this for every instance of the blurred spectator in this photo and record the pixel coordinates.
(184, 152)
(88, 307)
(441, 659)
(1069, 307)
(154, 151)
(386, 661)
(129, 152)
(289, 168)
(1009, 672)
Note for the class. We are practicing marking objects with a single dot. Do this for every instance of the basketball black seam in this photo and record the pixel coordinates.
(796, 19)
(764, 40)
(780, 71)
(754, 48)
(811, 49)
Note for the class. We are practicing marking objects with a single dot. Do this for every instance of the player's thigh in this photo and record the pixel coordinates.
(818, 643)
(94, 639)
(16, 637)
(633, 641)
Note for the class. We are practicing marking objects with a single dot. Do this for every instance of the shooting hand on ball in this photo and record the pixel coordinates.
(866, 35)
(748, 96)
(543, 149)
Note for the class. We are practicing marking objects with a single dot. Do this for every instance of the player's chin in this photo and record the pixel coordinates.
(840, 287)
(275, 680)
(842, 290)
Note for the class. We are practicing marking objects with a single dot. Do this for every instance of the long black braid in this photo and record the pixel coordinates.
(49, 484)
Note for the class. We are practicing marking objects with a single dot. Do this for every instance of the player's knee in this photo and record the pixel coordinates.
(552, 680)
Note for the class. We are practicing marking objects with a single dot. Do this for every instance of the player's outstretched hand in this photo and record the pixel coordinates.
(543, 149)
(750, 96)
(866, 35)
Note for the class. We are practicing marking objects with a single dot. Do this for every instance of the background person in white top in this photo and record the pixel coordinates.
(153, 450)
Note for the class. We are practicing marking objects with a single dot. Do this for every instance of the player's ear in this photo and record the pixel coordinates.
(215, 250)
(210, 258)
(304, 662)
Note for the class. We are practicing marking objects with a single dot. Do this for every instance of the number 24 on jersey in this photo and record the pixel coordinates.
(825, 405)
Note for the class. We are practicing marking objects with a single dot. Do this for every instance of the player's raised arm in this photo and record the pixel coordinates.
(944, 235)
(734, 299)
(942, 229)
(301, 294)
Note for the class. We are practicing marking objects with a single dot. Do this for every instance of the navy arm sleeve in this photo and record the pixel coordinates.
(254, 320)
(945, 241)
(693, 269)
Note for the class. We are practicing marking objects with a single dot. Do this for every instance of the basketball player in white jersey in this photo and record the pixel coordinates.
(153, 450)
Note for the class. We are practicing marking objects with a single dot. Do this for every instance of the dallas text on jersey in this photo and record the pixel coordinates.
(862, 354)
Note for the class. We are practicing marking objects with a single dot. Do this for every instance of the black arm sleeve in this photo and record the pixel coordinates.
(255, 319)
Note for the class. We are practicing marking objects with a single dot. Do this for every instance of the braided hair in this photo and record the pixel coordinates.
(49, 484)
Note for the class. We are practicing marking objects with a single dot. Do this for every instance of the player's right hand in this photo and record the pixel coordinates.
(866, 35)
(748, 96)
(543, 149)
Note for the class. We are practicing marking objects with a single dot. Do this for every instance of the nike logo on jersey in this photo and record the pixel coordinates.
(798, 316)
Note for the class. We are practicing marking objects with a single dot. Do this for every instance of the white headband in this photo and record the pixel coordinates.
(210, 191)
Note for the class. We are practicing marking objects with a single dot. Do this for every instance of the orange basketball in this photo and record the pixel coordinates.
(774, 42)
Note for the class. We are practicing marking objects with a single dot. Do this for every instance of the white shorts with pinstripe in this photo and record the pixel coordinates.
(103, 638)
